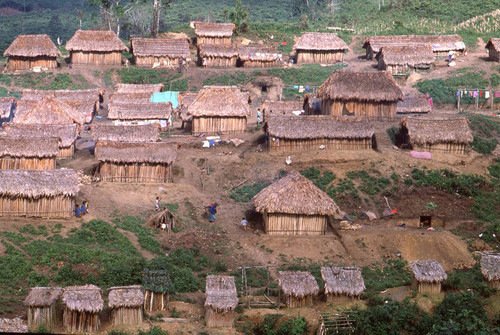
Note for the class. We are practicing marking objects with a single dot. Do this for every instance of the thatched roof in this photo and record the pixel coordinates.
(83, 298)
(220, 292)
(38, 183)
(411, 55)
(490, 266)
(208, 29)
(297, 283)
(431, 130)
(439, 43)
(159, 217)
(132, 98)
(360, 86)
(282, 107)
(29, 147)
(139, 111)
(429, 271)
(294, 194)
(414, 104)
(343, 281)
(157, 281)
(320, 41)
(138, 88)
(317, 126)
(89, 95)
(160, 47)
(119, 152)
(211, 50)
(132, 133)
(47, 111)
(6, 105)
(493, 43)
(43, 296)
(220, 101)
(125, 296)
(95, 41)
(32, 46)
(66, 134)
(258, 53)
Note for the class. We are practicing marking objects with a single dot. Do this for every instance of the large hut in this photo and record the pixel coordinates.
(28, 153)
(82, 305)
(135, 162)
(215, 55)
(136, 133)
(490, 268)
(48, 111)
(371, 94)
(342, 282)
(42, 303)
(31, 51)
(219, 110)
(95, 47)
(304, 133)
(126, 303)
(414, 104)
(221, 300)
(38, 193)
(427, 276)
(157, 284)
(213, 33)
(7, 106)
(323, 48)
(293, 205)
(299, 287)
(286, 107)
(493, 47)
(259, 56)
(437, 134)
(159, 52)
(403, 59)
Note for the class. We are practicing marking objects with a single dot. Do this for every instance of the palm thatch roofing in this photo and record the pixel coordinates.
(294, 194)
(32, 46)
(493, 43)
(439, 43)
(297, 283)
(220, 292)
(320, 41)
(83, 298)
(411, 55)
(119, 152)
(432, 130)
(38, 183)
(66, 133)
(138, 88)
(43, 296)
(221, 101)
(428, 271)
(211, 50)
(360, 86)
(185, 100)
(47, 111)
(126, 296)
(490, 266)
(317, 126)
(282, 107)
(139, 111)
(133, 98)
(258, 53)
(414, 104)
(39, 147)
(209, 29)
(157, 281)
(89, 95)
(132, 133)
(160, 47)
(95, 41)
(343, 281)
(6, 105)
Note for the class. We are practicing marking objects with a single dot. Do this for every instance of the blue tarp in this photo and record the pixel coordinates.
(169, 96)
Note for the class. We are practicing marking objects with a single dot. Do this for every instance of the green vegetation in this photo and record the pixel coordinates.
(461, 280)
(486, 130)
(245, 193)
(394, 273)
(144, 234)
(227, 79)
(170, 79)
(276, 324)
(45, 81)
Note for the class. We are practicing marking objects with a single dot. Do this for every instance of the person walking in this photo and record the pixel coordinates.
(244, 223)
(212, 210)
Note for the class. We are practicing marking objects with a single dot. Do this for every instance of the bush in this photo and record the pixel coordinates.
(394, 273)
(484, 146)
(245, 193)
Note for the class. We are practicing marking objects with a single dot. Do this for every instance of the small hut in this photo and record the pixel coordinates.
(42, 306)
(217, 55)
(294, 206)
(135, 133)
(371, 94)
(323, 48)
(219, 110)
(342, 281)
(38, 193)
(221, 300)
(287, 107)
(135, 162)
(258, 56)
(157, 284)
(126, 303)
(159, 52)
(7, 106)
(404, 59)
(48, 111)
(163, 217)
(437, 134)
(427, 276)
(28, 153)
(213, 33)
(30, 51)
(82, 305)
(490, 268)
(93, 47)
(304, 133)
(414, 104)
(299, 287)
(493, 47)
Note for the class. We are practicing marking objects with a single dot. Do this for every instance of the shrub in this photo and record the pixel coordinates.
(393, 273)
(484, 146)
(245, 193)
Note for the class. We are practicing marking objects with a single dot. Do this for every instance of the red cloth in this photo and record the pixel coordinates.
(283, 43)
(481, 94)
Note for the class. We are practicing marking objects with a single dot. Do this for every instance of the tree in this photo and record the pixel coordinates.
(158, 5)
(112, 11)
(237, 15)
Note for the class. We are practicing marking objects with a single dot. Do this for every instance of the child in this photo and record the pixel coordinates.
(244, 223)
(83, 209)
(157, 204)
(77, 211)
(212, 210)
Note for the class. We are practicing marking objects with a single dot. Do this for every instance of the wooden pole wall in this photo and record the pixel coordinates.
(23, 163)
(259, 63)
(322, 57)
(45, 207)
(218, 125)
(216, 319)
(27, 63)
(134, 172)
(446, 147)
(294, 302)
(373, 110)
(154, 301)
(66, 152)
(219, 61)
(213, 40)
(41, 316)
(289, 224)
(149, 61)
(126, 316)
(80, 322)
(96, 58)
(281, 145)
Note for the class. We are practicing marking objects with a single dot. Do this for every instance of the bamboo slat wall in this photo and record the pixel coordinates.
(80, 322)
(213, 40)
(281, 145)
(22, 163)
(289, 224)
(67, 152)
(134, 173)
(143, 61)
(162, 125)
(494, 55)
(53, 207)
(400, 69)
(41, 316)
(218, 125)
(214, 319)
(96, 58)
(26, 63)
(375, 110)
(338, 298)
(293, 302)
(322, 57)
(494, 284)
(219, 61)
(155, 301)
(258, 63)
(426, 288)
(126, 316)
(447, 147)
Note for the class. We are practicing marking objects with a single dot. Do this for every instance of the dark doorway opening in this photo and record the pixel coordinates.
(425, 221)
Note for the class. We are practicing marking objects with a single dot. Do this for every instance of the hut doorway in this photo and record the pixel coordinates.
(425, 221)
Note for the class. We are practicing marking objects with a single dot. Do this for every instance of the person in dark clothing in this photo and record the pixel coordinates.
(212, 210)
(78, 213)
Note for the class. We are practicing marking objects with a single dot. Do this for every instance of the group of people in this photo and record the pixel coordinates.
(81, 211)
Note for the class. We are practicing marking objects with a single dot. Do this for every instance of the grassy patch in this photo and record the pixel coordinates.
(245, 193)
(144, 234)
(393, 273)
(486, 130)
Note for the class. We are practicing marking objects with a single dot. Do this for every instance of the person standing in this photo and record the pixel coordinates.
(212, 210)
(157, 204)
(82, 209)
(259, 116)
(77, 211)
(244, 223)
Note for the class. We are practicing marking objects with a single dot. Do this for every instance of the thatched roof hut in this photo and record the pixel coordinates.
(95, 47)
(221, 300)
(285, 107)
(342, 281)
(7, 109)
(217, 55)
(41, 303)
(28, 153)
(299, 287)
(82, 305)
(138, 88)
(398, 59)
(132, 98)
(163, 217)
(89, 95)
(133, 133)
(490, 268)
(259, 56)
(157, 284)
(414, 104)
(320, 48)
(213, 33)
(126, 305)
(493, 47)
(428, 276)
(29, 51)
(163, 51)
(48, 111)
(123, 113)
